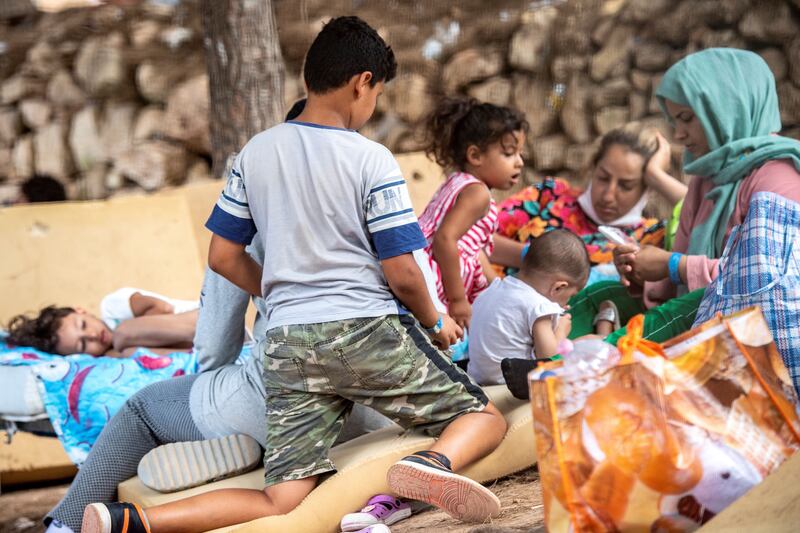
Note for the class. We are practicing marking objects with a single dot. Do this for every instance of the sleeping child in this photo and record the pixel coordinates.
(130, 318)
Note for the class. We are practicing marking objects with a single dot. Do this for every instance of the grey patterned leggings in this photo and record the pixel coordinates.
(156, 415)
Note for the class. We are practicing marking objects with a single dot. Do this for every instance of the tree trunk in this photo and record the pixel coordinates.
(245, 70)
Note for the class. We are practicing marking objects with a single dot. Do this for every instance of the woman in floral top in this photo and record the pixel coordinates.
(626, 166)
(622, 172)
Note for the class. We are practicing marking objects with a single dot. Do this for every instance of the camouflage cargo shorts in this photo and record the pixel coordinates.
(314, 372)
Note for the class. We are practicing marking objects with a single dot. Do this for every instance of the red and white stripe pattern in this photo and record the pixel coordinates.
(477, 238)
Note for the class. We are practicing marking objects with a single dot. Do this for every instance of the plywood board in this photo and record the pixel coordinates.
(200, 197)
(74, 253)
(31, 458)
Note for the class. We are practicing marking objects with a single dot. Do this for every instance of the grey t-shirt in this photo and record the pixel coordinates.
(331, 205)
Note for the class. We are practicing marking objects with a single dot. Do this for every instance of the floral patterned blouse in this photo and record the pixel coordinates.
(553, 203)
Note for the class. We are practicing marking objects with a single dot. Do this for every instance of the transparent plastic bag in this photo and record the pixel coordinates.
(666, 437)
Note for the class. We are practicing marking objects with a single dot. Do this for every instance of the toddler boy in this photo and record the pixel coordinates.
(522, 317)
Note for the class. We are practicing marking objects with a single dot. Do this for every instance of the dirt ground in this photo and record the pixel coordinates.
(522, 510)
(23, 509)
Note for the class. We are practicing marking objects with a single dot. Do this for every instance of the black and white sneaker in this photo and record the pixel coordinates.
(426, 476)
(114, 518)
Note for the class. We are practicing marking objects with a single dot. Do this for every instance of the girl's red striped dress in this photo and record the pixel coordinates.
(477, 238)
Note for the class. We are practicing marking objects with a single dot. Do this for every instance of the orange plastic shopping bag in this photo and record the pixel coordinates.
(662, 438)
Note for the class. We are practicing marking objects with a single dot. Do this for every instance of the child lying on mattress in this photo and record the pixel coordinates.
(129, 318)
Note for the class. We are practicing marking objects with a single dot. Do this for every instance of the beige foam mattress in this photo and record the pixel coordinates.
(362, 465)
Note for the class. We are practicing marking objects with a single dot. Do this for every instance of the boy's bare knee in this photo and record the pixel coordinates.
(285, 496)
(498, 417)
(498, 421)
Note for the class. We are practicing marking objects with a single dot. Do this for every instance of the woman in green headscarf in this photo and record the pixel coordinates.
(723, 106)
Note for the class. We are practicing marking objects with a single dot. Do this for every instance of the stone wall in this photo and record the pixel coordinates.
(111, 100)
(581, 68)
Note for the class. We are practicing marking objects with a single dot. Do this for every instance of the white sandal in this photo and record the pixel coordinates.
(609, 314)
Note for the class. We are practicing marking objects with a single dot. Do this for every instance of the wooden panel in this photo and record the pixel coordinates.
(423, 177)
(30, 458)
(201, 199)
(74, 253)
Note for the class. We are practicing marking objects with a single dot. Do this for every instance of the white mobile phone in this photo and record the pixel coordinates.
(615, 235)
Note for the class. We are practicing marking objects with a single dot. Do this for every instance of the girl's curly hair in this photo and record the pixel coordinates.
(39, 332)
(458, 123)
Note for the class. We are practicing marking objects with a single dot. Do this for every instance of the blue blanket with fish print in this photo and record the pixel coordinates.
(81, 393)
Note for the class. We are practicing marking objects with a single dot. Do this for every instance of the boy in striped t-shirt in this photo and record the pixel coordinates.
(349, 316)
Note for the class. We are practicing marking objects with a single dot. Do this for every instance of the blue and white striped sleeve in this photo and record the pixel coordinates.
(390, 217)
(231, 216)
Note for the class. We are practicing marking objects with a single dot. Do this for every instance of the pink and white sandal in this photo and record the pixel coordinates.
(380, 509)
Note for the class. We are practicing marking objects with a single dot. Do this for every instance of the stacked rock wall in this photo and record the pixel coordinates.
(111, 100)
(105, 101)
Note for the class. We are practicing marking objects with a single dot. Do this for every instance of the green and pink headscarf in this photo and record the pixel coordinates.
(733, 94)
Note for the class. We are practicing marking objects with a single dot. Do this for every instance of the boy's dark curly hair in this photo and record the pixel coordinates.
(38, 332)
(346, 47)
(458, 123)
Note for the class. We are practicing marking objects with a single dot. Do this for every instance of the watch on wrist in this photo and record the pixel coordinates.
(436, 328)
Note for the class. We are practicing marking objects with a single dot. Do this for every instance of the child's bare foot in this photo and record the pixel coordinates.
(607, 318)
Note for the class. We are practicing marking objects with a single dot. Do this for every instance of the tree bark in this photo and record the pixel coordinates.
(245, 70)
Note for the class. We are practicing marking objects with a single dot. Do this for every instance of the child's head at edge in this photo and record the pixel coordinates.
(61, 330)
(480, 138)
(556, 265)
(344, 72)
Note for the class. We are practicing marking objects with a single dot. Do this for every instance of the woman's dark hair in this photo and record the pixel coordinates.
(39, 332)
(458, 123)
(636, 142)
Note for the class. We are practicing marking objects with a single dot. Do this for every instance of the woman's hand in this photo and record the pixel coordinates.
(461, 312)
(657, 176)
(660, 160)
(624, 258)
(651, 264)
